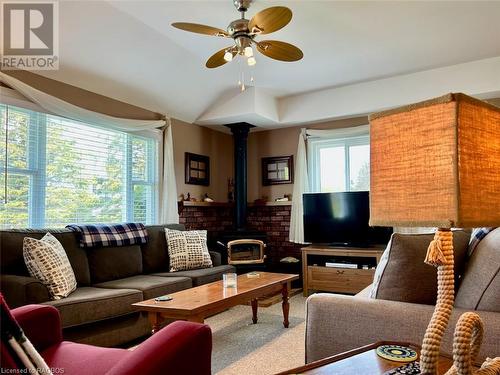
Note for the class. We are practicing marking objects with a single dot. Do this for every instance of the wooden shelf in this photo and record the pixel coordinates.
(286, 203)
(231, 204)
(206, 204)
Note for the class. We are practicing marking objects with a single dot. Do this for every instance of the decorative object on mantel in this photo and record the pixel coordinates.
(451, 146)
(206, 198)
(197, 169)
(277, 170)
(286, 198)
(188, 198)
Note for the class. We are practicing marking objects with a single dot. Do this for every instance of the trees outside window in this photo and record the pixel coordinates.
(61, 171)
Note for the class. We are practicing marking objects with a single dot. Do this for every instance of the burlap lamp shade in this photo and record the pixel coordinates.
(437, 164)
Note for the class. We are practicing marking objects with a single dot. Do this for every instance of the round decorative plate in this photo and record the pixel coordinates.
(397, 353)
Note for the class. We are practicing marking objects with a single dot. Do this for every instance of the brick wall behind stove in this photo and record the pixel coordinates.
(214, 219)
(275, 221)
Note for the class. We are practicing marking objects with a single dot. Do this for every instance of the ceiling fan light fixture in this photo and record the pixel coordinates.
(228, 56)
(251, 61)
(248, 51)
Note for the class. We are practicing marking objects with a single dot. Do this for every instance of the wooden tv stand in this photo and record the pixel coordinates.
(316, 276)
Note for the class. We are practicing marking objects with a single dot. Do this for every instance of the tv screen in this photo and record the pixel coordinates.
(341, 219)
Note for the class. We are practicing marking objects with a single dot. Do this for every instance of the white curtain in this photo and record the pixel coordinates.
(301, 183)
(169, 212)
(300, 186)
(168, 199)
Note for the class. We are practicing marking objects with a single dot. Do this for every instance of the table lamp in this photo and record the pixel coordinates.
(437, 164)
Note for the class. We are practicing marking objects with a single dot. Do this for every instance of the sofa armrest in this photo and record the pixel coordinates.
(23, 290)
(41, 324)
(216, 258)
(179, 348)
(336, 323)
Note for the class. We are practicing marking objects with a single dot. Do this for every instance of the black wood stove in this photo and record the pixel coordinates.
(243, 248)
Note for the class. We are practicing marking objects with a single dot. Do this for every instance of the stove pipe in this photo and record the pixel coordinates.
(240, 134)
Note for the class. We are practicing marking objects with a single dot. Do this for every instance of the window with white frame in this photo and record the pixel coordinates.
(61, 171)
(339, 164)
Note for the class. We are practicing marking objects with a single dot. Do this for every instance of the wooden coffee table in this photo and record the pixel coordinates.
(197, 303)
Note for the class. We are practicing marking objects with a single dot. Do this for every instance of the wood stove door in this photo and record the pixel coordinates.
(245, 251)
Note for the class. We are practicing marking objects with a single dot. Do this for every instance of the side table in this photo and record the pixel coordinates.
(363, 360)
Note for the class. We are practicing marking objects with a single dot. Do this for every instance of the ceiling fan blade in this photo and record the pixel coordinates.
(200, 29)
(279, 50)
(217, 59)
(270, 20)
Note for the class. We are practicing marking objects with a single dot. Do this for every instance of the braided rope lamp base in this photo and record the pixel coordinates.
(469, 329)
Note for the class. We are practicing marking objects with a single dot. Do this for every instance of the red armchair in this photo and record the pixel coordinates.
(180, 348)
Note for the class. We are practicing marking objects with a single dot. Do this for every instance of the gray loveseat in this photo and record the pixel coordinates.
(110, 279)
(337, 323)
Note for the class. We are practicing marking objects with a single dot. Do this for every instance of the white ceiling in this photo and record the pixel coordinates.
(129, 51)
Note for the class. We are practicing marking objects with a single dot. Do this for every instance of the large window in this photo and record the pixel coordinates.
(339, 164)
(61, 171)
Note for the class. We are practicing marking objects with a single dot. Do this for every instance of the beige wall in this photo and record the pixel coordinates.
(201, 140)
(219, 147)
(281, 142)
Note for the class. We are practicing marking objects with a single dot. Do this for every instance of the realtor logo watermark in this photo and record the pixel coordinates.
(30, 35)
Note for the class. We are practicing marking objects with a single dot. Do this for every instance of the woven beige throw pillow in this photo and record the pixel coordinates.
(187, 250)
(47, 261)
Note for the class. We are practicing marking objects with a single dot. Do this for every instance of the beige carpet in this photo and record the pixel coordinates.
(243, 348)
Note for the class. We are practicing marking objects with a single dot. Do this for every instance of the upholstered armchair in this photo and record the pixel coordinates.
(179, 348)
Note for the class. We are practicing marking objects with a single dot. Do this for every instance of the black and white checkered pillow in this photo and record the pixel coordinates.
(47, 261)
(187, 250)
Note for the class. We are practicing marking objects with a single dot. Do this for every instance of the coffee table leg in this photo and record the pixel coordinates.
(285, 305)
(155, 319)
(255, 306)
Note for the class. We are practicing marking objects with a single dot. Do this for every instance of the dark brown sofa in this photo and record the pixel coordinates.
(110, 279)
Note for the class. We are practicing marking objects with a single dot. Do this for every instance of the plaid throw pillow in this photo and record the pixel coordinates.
(477, 235)
(187, 250)
(47, 261)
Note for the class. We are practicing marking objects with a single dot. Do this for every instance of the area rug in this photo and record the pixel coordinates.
(243, 348)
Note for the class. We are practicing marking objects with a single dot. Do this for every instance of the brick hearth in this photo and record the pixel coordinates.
(273, 220)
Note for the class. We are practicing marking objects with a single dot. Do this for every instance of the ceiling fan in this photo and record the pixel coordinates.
(244, 31)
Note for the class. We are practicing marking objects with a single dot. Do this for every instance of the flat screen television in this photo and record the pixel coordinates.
(341, 219)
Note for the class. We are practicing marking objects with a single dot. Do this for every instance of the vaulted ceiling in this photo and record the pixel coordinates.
(354, 51)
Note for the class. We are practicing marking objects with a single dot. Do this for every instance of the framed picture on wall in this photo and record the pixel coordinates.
(197, 169)
(277, 170)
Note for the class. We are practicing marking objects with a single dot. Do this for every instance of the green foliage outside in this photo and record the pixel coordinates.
(82, 183)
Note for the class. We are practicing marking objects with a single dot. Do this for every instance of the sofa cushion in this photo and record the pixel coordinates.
(150, 286)
(402, 274)
(155, 251)
(111, 263)
(12, 262)
(89, 304)
(47, 261)
(201, 276)
(480, 288)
